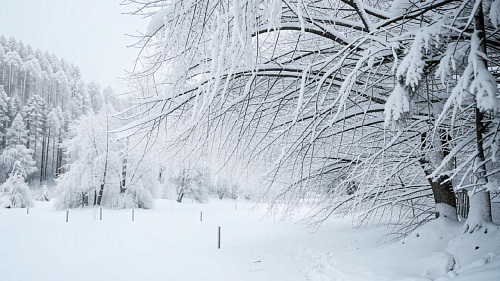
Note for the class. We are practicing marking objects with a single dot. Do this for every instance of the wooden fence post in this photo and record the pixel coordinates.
(218, 239)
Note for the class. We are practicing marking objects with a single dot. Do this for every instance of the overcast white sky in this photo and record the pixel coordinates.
(88, 33)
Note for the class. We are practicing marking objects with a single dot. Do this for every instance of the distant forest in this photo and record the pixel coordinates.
(47, 93)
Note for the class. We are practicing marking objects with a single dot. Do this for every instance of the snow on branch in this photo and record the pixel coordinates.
(397, 105)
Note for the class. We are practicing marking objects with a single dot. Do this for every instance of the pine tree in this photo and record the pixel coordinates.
(17, 134)
(13, 62)
(14, 193)
(13, 109)
(4, 116)
(95, 96)
(16, 155)
(2, 66)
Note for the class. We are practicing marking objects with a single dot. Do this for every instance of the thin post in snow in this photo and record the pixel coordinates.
(201, 216)
(133, 211)
(67, 215)
(27, 210)
(218, 238)
(100, 214)
(235, 206)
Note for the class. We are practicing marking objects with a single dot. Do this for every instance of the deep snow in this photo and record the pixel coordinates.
(170, 243)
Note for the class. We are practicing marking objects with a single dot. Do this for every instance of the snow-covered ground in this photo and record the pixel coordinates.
(170, 243)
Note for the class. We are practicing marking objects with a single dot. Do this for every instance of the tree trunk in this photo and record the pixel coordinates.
(180, 196)
(442, 187)
(10, 80)
(53, 172)
(103, 181)
(24, 87)
(29, 134)
(480, 202)
(59, 156)
(123, 186)
(47, 145)
(42, 162)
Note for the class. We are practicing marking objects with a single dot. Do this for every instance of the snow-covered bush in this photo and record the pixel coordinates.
(226, 189)
(194, 183)
(200, 193)
(15, 193)
(142, 196)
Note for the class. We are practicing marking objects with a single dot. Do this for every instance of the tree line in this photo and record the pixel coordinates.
(40, 95)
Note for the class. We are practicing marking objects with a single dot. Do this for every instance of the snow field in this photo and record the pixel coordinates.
(166, 243)
(170, 243)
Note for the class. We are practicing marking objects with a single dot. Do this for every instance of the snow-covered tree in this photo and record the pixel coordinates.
(96, 99)
(79, 101)
(33, 72)
(17, 134)
(311, 88)
(4, 116)
(111, 99)
(96, 173)
(13, 62)
(16, 155)
(14, 193)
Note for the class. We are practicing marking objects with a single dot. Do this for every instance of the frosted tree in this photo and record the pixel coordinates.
(63, 89)
(16, 155)
(96, 173)
(13, 62)
(96, 98)
(4, 116)
(312, 90)
(111, 99)
(14, 193)
(31, 69)
(468, 111)
(54, 131)
(79, 102)
(193, 182)
(2, 63)
(35, 115)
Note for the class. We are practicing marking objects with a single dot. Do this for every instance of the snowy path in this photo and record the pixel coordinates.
(170, 243)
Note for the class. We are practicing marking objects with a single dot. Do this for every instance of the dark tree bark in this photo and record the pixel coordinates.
(46, 155)
(103, 181)
(442, 187)
(181, 195)
(59, 156)
(123, 186)
(42, 163)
